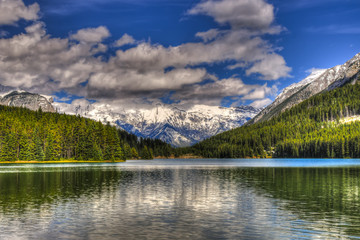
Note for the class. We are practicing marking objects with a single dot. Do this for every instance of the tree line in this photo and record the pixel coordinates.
(41, 136)
(313, 128)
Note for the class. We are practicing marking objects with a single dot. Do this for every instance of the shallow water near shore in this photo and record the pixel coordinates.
(182, 199)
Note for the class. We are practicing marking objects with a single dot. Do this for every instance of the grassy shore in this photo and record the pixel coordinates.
(60, 161)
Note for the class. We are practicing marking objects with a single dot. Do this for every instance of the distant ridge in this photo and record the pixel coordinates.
(171, 124)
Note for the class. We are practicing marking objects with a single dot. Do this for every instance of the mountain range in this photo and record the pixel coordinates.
(181, 127)
(170, 124)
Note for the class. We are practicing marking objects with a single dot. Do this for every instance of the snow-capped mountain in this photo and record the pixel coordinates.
(318, 81)
(28, 100)
(168, 123)
(295, 87)
(171, 124)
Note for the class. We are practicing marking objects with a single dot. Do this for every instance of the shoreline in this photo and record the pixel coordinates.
(60, 161)
(186, 156)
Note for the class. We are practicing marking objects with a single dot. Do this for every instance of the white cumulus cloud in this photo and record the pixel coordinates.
(261, 103)
(91, 35)
(254, 14)
(271, 67)
(36, 61)
(125, 40)
(249, 21)
(12, 11)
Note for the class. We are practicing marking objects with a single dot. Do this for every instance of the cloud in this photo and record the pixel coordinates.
(235, 45)
(254, 14)
(113, 82)
(35, 61)
(249, 20)
(62, 106)
(237, 65)
(261, 103)
(260, 92)
(12, 11)
(213, 92)
(91, 35)
(232, 46)
(272, 67)
(209, 35)
(315, 70)
(125, 40)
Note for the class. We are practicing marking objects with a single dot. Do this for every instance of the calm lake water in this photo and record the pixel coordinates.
(182, 199)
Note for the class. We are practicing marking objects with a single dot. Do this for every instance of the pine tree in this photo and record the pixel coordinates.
(134, 153)
(8, 151)
(26, 148)
(39, 151)
(146, 153)
(127, 151)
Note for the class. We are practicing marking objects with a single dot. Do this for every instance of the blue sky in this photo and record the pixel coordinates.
(212, 52)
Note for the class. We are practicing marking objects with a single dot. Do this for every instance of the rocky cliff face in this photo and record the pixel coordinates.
(28, 100)
(171, 124)
(319, 81)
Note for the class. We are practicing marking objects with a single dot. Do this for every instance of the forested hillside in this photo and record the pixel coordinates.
(313, 128)
(35, 135)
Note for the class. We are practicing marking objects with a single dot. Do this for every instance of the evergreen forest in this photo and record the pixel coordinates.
(315, 128)
(27, 135)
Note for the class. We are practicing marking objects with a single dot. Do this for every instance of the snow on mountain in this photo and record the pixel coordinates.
(318, 81)
(25, 99)
(169, 123)
(293, 88)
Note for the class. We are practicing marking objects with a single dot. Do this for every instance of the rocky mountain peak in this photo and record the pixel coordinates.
(28, 100)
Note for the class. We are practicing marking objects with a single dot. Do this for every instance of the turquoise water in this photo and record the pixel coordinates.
(182, 199)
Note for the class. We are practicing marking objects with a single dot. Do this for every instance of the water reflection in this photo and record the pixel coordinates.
(152, 202)
(22, 191)
(327, 196)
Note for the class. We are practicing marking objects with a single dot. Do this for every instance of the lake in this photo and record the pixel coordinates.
(182, 199)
